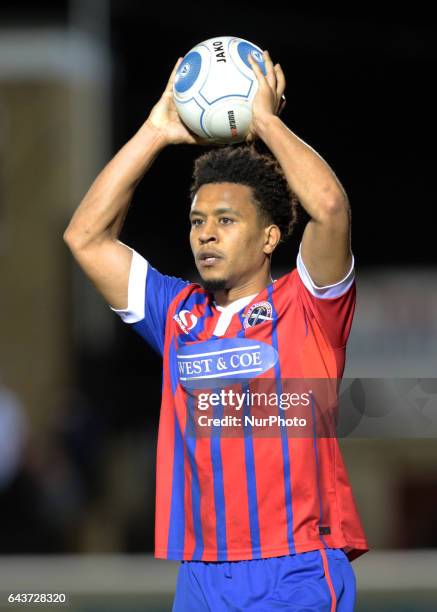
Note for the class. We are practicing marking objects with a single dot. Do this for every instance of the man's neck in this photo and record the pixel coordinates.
(225, 297)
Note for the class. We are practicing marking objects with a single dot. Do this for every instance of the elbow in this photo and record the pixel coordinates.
(83, 239)
(69, 237)
(337, 203)
(335, 206)
(74, 240)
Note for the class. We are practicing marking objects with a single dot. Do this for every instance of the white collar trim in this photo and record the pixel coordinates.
(236, 305)
(227, 312)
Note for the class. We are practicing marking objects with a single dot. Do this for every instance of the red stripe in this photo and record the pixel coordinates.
(305, 503)
(329, 581)
(207, 502)
(268, 455)
(272, 516)
(235, 492)
(164, 473)
(189, 539)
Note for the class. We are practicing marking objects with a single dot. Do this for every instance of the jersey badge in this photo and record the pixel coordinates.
(258, 313)
(186, 320)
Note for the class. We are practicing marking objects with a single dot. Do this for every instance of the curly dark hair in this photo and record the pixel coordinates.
(244, 165)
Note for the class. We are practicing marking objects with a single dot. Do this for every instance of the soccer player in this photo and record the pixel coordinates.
(258, 523)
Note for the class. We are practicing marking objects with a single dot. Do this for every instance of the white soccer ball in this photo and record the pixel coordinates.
(214, 88)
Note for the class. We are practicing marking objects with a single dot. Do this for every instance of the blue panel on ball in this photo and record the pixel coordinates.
(188, 71)
(244, 49)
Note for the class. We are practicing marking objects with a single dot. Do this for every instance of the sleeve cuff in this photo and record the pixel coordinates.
(136, 291)
(328, 291)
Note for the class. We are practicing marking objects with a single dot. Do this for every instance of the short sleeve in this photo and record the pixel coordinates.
(328, 291)
(332, 306)
(150, 294)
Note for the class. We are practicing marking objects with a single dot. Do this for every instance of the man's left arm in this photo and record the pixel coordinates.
(325, 247)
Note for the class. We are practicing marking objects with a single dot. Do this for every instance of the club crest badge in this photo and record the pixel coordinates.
(258, 313)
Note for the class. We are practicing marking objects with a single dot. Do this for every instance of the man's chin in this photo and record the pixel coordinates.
(213, 284)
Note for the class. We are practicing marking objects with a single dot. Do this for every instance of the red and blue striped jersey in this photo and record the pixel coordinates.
(245, 497)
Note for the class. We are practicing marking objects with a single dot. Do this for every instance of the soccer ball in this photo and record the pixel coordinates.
(214, 88)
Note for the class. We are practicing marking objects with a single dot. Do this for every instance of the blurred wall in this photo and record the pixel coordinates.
(53, 138)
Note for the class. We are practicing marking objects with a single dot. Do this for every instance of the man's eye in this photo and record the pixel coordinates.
(226, 220)
(196, 222)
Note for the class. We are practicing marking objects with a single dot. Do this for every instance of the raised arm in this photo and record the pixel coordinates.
(325, 248)
(92, 234)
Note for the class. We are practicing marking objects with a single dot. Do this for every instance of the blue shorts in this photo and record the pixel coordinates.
(319, 581)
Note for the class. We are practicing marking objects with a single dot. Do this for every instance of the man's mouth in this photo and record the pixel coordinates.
(207, 259)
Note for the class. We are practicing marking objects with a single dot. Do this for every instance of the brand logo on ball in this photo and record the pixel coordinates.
(219, 51)
(258, 313)
(232, 123)
(256, 55)
(185, 70)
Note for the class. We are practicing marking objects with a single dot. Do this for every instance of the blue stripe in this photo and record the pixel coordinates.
(173, 367)
(317, 468)
(242, 332)
(219, 490)
(190, 441)
(176, 535)
(251, 483)
(284, 439)
(249, 455)
(176, 529)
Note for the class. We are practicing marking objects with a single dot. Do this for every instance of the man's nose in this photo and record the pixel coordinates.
(208, 233)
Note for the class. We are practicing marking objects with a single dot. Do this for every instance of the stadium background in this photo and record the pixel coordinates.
(80, 393)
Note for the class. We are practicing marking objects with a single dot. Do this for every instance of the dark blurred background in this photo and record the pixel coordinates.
(80, 392)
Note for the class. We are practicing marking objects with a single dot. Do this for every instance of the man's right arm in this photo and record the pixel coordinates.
(92, 234)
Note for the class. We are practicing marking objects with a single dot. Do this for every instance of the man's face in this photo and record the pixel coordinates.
(227, 236)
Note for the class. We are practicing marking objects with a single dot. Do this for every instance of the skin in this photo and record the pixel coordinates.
(225, 219)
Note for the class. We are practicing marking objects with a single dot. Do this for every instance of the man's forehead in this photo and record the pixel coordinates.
(222, 194)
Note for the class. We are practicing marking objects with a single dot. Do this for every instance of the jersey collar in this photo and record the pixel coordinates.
(236, 305)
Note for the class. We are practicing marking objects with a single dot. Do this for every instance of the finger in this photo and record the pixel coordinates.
(280, 88)
(271, 74)
(280, 80)
(169, 86)
(256, 68)
(195, 138)
(251, 136)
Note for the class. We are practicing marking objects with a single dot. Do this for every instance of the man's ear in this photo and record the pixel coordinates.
(272, 236)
